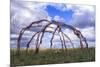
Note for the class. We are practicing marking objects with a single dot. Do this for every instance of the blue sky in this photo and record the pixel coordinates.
(67, 15)
(23, 13)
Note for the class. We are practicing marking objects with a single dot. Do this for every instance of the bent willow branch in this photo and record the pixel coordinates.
(57, 30)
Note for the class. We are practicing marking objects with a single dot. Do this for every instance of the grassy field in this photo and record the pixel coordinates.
(53, 56)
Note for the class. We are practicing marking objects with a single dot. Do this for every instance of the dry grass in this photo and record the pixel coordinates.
(54, 56)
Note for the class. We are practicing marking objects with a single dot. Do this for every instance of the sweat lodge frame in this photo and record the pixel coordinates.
(58, 29)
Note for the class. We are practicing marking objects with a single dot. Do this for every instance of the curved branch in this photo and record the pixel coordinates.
(43, 30)
(69, 39)
(18, 41)
(39, 38)
(61, 42)
(77, 32)
(37, 44)
(63, 39)
(53, 37)
(79, 35)
(22, 32)
(30, 41)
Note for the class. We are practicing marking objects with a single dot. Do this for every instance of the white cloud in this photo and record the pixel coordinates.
(51, 28)
(23, 13)
(89, 33)
(70, 34)
(17, 35)
(83, 16)
(58, 18)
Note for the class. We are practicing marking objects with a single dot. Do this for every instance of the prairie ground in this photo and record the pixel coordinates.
(53, 56)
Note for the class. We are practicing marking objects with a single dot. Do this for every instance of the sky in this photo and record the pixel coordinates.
(23, 13)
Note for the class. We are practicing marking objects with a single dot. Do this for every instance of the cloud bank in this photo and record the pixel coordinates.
(24, 12)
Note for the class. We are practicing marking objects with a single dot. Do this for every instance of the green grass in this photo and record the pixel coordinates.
(49, 56)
